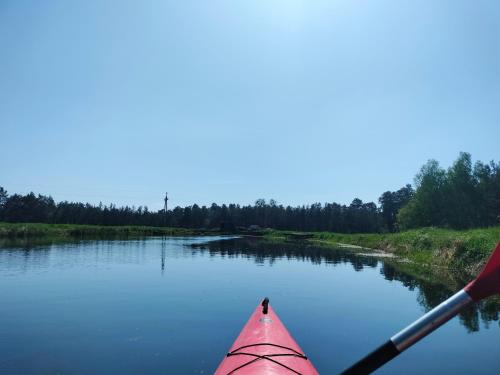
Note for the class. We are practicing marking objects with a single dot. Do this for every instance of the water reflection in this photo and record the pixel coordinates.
(29, 255)
(433, 286)
(262, 251)
(163, 245)
(432, 294)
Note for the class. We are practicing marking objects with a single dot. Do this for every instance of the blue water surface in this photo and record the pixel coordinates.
(159, 305)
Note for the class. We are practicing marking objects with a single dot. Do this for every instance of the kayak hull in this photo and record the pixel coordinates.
(265, 347)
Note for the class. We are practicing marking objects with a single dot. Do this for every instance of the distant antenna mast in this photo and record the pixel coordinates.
(166, 207)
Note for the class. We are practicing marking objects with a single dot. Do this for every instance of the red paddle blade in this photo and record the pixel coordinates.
(488, 281)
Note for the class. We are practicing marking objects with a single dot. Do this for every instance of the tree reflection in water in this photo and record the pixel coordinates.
(433, 285)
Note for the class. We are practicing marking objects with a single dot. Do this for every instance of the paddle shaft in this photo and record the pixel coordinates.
(411, 334)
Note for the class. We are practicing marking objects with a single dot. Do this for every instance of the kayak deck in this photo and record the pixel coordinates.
(264, 346)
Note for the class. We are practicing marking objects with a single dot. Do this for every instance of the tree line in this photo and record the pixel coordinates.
(464, 196)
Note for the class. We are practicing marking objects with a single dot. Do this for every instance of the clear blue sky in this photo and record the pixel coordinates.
(229, 101)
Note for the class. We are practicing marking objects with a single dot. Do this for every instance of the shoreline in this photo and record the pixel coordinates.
(465, 250)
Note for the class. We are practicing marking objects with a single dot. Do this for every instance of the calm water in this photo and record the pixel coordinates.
(163, 306)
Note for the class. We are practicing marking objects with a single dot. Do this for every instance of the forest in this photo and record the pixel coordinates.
(460, 197)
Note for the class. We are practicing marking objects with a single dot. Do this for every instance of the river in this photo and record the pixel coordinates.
(175, 305)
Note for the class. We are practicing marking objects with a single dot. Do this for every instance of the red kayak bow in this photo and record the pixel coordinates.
(263, 347)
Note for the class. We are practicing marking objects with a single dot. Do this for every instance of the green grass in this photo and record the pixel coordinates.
(466, 249)
(20, 230)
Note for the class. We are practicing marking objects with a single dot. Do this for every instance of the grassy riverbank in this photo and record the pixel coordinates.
(32, 230)
(466, 249)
